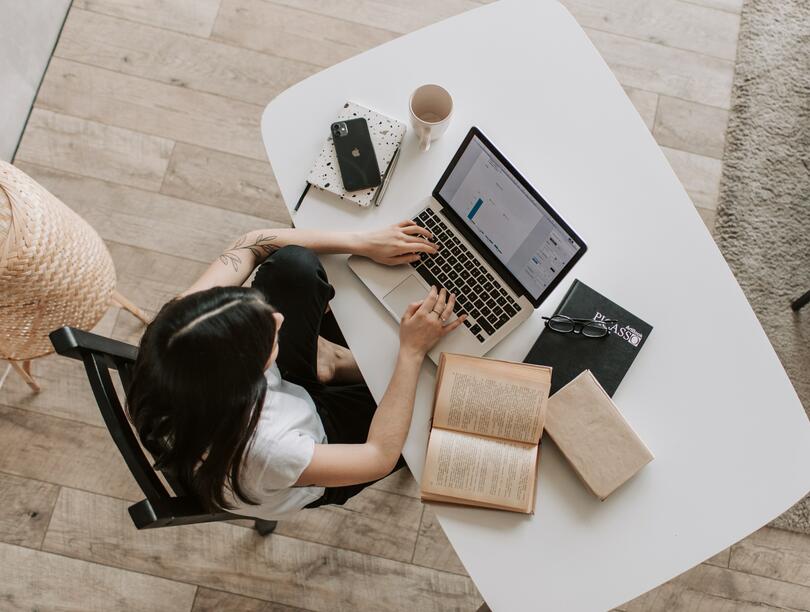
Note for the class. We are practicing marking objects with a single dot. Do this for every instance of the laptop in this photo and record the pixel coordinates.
(502, 250)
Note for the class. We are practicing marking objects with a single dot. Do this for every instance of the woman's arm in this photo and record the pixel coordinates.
(335, 465)
(393, 245)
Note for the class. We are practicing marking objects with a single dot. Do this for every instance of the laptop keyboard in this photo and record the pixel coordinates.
(457, 269)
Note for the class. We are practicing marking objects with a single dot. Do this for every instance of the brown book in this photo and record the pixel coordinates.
(593, 436)
(484, 446)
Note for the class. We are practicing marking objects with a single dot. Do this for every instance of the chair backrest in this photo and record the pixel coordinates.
(161, 508)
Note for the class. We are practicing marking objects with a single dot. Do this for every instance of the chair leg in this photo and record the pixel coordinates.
(24, 371)
(120, 300)
(5, 374)
(800, 302)
(265, 528)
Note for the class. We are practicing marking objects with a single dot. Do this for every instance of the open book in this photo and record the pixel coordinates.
(484, 446)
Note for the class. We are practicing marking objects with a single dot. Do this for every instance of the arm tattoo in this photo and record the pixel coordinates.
(261, 248)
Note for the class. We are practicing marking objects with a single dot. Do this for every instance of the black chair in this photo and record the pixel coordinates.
(160, 508)
(800, 302)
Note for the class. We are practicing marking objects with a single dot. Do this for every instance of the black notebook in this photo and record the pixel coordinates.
(608, 358)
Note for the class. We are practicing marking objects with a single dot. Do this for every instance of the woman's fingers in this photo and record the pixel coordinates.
(441, 302)
(418, 246)
(411, 238)
(416, 230)
(448, 309)
(453, 325)
(429, 303)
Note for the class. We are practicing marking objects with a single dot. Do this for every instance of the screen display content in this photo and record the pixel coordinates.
(508, 219)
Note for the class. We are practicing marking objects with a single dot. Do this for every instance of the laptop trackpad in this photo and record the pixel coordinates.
(408, 291)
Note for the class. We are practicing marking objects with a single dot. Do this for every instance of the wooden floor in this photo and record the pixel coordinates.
(147, 124)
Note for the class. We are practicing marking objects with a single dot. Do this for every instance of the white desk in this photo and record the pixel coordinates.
(707, 393)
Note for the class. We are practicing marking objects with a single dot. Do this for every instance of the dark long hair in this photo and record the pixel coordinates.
(198, 387)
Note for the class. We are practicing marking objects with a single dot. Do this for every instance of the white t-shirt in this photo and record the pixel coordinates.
(283, 444)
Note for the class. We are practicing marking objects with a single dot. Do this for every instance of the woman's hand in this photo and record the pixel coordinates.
(425, 323)
(398, 244)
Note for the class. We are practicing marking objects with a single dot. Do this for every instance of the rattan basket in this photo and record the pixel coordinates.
(54, 270)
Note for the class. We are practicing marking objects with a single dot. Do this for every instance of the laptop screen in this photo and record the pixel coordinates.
(515, 225)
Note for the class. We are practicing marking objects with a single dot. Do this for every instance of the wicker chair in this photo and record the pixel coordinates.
(54, 271)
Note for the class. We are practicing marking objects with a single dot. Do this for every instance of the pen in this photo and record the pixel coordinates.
(387, 178)
(301, 199)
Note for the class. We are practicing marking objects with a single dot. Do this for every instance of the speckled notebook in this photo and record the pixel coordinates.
(386, 135)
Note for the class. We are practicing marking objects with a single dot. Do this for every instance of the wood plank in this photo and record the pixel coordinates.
(25, 511)
(393, 15)
(433, 549)
(293, 33)
(715, 589)
(646, 104)
(720, 559)
(209, 600)
(700, 176)
(63, 452)
(666, 22)
(225, 181)
(664, 70)
(34, 580)
(150, 278)
(731, 6)
(162, 55)
(129, 330)
(227, 557)
(150, 107)
(691, 127)
(401, 482)
(148, 220)
(190, 16)
(94, 149)
(65, 390)
(774, 553)
(676, 598)
(374, 522)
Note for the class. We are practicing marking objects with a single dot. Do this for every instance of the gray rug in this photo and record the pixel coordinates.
(763, 218)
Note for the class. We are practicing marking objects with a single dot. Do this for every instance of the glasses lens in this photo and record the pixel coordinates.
(594, 330)
(561, 324)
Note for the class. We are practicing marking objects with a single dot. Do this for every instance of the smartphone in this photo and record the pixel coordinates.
(355, 154)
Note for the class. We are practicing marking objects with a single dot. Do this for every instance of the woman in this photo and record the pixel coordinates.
(237, 392)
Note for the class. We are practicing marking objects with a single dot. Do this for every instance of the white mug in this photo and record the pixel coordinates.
(431, 109)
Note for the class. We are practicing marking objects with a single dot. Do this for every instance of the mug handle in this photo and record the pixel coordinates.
(424, 139)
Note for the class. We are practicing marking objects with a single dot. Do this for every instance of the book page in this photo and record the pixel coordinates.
(492, 398)
(474, 468)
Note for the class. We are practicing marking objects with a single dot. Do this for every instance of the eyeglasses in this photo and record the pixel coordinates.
(589, 328)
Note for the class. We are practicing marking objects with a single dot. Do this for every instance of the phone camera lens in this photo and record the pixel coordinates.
(340, 129)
